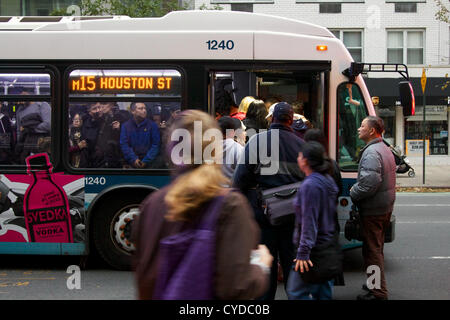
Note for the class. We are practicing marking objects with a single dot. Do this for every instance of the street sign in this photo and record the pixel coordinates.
(423, 80)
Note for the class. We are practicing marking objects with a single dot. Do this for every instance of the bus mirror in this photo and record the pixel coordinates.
(407, 98)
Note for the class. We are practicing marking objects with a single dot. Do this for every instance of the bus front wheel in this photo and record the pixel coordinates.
(112, 230)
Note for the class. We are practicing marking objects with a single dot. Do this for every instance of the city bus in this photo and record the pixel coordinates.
(69, 183)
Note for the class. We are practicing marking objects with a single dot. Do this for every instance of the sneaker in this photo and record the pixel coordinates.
(369, 296)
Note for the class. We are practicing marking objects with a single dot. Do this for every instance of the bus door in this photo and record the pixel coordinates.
(305, 89)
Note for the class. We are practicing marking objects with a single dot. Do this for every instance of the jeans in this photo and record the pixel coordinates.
(297, 289)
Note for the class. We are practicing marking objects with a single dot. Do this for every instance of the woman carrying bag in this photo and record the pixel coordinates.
(319, 258)
(216, 263)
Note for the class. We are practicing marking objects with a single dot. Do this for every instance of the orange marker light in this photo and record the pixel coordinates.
(322, 48)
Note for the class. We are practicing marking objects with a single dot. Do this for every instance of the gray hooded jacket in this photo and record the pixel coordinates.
(374, 190)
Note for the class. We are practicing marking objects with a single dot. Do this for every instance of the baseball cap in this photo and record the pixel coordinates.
(271, 110)
(283, 111)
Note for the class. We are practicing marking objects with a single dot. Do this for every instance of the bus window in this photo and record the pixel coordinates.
(25, 124)
(303, 89)
(119, 133)
(351, 111)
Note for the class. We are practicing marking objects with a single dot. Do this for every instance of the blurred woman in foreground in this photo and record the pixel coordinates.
(183, 203)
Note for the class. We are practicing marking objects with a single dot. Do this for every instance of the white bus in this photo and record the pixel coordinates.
(58, 74)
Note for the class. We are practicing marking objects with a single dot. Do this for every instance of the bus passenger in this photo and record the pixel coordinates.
(6, 139)
(232, 150)
(109, 135)
(89, 158)
(75, 143)
(167, 212)
(251, 173)
(272, 100)
(139, 138)
(33, 122)
(243, 107)
(255, 119)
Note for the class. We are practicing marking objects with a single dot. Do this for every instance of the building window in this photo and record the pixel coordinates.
(241, 2)
(405, 46)
(245, 7)
(353, 41)
(330, 8)
(406, 7)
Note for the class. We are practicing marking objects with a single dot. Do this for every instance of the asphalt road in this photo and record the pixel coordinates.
(417, 263)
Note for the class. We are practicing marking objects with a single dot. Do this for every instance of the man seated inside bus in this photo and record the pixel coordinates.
(139, 138)
(33, 121)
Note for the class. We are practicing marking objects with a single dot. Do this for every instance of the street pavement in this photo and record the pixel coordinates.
(437, 172)
(417, 263)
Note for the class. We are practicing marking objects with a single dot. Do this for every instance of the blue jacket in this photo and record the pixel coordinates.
(315, 213)
(139, 141)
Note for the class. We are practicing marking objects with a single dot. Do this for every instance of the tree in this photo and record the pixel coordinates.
(131, 8)
(443, 12)
(214, 7)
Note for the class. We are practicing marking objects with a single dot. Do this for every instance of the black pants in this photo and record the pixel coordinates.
(279, 242)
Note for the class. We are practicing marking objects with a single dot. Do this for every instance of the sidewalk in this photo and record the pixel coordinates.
(437, 173)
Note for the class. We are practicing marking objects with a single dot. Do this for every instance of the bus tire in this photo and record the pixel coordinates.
(112, 228)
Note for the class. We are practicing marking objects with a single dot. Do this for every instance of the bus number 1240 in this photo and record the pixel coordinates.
(223, 45)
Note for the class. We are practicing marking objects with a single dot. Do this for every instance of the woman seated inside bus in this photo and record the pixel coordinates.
(140, 138)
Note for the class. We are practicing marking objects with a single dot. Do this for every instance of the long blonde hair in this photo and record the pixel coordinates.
(245, 103)
(198, 183)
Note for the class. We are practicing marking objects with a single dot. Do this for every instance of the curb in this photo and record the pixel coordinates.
(422, 189)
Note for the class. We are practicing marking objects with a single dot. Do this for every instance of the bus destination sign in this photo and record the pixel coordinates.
(159, 85)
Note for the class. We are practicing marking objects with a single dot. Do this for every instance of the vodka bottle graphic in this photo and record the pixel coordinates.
(45, 204)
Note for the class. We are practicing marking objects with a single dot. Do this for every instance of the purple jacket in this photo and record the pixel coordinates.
(315, 213)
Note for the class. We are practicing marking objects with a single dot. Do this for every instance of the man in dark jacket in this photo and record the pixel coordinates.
(89, 158)
(139, 138)
(33, 120)
(374, 194)
(259, 170)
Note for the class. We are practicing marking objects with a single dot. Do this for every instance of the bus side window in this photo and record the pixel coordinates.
(351, 112)
(25, 124)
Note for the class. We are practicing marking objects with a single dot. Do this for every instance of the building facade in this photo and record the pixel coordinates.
(384, 31)
(33, 7)
(374, 31)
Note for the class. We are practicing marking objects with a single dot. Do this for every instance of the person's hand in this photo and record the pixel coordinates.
(82, 144)
(116, 125)
(138, 164)
(265, 256)
(302, 265)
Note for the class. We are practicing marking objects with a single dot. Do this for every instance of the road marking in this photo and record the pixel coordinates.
(423, 205)
(433, 222)
(27, 278)
(419, 258)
